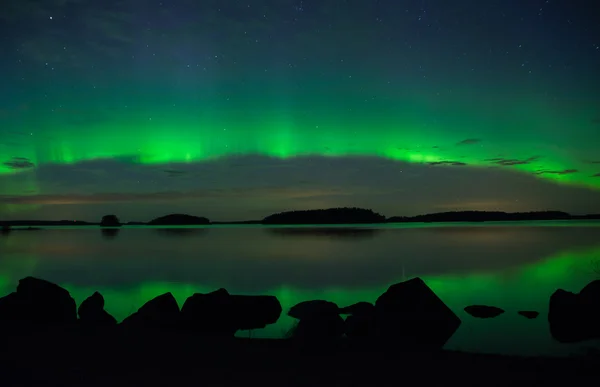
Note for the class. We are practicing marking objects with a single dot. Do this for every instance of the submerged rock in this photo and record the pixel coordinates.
(483, 311)
(529, 314)
(410, 315)
(575, 317)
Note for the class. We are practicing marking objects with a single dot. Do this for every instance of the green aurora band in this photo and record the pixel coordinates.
(163, 128)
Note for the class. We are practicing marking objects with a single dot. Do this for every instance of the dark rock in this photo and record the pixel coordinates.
(575, 317)
(320, 327)
(209, 313)
(360, 325)
(483, 311)
(530, 314)
(410, 315)
(255, 312)
(311, 308)
(92, 314)
(220, 314)
(12, 309)
(319, 319)
(361, 322)
(160, 313)
(360, 308)
(38, 303)
(590, 294)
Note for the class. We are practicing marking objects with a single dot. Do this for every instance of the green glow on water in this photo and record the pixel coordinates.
(510, 285)
(525, 288)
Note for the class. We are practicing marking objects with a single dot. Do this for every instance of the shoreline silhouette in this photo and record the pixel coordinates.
(407, 326)
(345, 215)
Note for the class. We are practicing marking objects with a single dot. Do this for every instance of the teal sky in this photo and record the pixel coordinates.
(245, 111)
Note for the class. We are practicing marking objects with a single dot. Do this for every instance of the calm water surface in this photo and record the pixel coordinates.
(511, 265)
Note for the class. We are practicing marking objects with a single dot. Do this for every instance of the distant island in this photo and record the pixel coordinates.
(490, 216)
(179, 220)
(327, 216)
(343, 215)
(110, 221)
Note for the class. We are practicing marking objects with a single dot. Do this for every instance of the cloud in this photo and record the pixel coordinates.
(563, 172)
(19, 163)
(174, 172)
(507, 162)
(221, 193)
(478, 205)
(111, 197)
(448, 162)
(469, 141)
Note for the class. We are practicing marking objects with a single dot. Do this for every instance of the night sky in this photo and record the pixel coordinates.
(237, 109)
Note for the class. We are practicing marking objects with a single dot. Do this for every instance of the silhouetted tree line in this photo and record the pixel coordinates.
(326, 216)
(179, 220)
(481, 216)
(343, 215)
(110, 221)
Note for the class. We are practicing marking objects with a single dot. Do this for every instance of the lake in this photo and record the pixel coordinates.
(515, 266)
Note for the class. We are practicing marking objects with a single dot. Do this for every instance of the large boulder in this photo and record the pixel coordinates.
(360, 308)
(575, 317)
(221, 314)
(318, 320)
(159, 314)
(410, 315)
(209, 314)
(255, 312)
(92, 314)
(360, 326)
(38, 303)
(529, 314)
(360, 323)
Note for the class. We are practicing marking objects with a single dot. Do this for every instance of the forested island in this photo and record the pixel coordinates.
(179, 220)
(342, 215)
(490, 216)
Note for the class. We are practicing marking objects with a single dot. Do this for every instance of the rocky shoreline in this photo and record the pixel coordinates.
(402, 335)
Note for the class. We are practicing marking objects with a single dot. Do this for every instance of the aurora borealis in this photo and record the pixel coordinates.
(234, 110)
